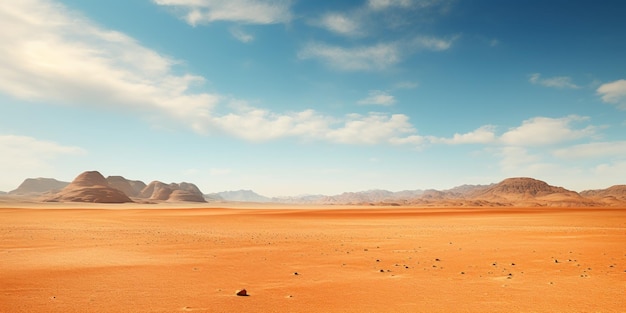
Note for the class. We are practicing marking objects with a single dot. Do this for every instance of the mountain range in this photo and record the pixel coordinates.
(518, 191)
(91, 186)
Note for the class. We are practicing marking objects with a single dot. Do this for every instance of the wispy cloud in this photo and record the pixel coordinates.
(432, 43)
(363, 58)
(58, 56)
(561, 82)
(25, 147)
(406, 85)
(378, 97)
(385, 4)
(483, 135)
(592, 150)
(196, 12)
(240, 35)
(533, 132)
(614, 93)
(339, 23)
(540, 131)
(24, 155)
(371, 57)
(376, 15)
(256, 124)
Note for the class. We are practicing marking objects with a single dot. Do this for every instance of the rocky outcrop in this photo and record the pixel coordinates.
(157, 190)
(89, 187)
(524, 191)
(131, 188)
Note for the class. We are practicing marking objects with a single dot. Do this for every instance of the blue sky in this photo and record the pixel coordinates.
(306, 97)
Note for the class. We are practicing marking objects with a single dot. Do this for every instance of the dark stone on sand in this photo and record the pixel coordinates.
(242, 293)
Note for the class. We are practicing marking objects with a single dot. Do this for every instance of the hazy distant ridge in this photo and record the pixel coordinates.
(516, 191)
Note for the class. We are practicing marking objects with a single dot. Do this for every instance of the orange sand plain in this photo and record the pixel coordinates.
(133, 259)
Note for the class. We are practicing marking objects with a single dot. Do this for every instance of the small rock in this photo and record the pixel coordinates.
(296, 273)
(242, 293)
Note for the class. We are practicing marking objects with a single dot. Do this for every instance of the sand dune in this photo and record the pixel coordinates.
(133, 258)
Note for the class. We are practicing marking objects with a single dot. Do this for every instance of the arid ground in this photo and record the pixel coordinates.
(142, 258)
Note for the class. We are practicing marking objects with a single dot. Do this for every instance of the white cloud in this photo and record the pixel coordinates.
(593, 150)
(256, 124)
(196, 12)
(374, 128)
(406, 85)
(364, 58)
(432, 43)
(614, 93)
(384, 4)
(561, 82)
(241, 35)
(378, 97)
(515, 158)
(545, 131)
(482, 135)
(28, 148)
(49, 53)
(369, 58)
(390, 16)
(23, 155)
(340, 23)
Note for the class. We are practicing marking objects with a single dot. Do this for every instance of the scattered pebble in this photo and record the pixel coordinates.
(242, 293)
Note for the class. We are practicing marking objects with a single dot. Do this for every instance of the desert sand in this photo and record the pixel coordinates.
(140, 258)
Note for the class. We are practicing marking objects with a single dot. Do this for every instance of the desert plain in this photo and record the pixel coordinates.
(80, 257)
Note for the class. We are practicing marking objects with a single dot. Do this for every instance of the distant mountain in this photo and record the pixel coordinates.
(89, 187)
(38, 186)
(370, 196)
(302, 199)
(517, 191)
(614, 195)
(524, 191)
(239, 195)
(465, 190)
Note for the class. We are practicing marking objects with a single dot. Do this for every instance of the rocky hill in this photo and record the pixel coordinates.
(89, 187)
(524, 191)
(614, 195)
(131, 188)
(38, 186)
(157, 190)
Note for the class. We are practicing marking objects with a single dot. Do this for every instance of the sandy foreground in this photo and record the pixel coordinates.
(83, 258)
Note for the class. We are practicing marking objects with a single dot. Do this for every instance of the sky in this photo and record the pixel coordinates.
(293, 97)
